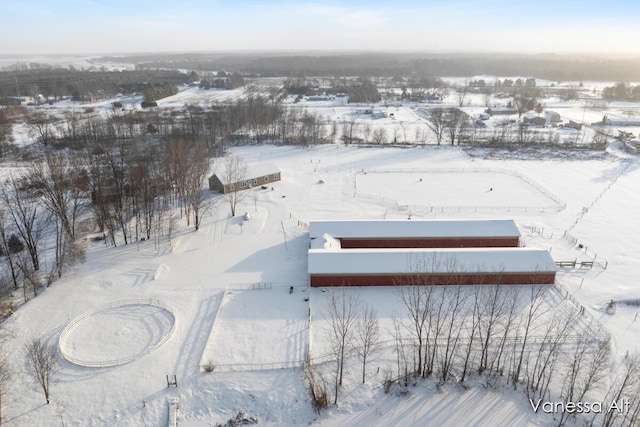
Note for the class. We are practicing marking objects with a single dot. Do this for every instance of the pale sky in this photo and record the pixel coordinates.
(127, 26)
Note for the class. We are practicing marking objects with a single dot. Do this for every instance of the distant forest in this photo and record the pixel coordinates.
(553, 67)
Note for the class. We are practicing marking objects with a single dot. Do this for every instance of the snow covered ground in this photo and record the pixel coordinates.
(227, 287)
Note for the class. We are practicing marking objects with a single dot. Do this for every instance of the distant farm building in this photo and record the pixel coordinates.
(341, 99)
(553, 117)
(621, 122)
(258, 174)
(429, 252)
(574, 125)
(532, 119)
(314, 98)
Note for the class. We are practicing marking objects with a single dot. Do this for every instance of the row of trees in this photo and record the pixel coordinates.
(155, 92)
(508, 336)
(82, 85)
(622, 91)
(255, 119)
(125, 191)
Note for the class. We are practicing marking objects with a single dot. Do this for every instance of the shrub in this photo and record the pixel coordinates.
(209, 366)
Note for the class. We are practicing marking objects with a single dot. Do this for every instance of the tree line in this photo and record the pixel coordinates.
(622, 91)
(503, 336)
(81, 85)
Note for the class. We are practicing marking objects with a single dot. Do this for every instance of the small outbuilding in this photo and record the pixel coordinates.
(261, 174)
(553, 117)
(532, 119)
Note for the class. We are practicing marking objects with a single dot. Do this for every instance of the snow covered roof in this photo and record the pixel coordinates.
(414, 228)
(254, 170)
(407, 261)
(261, 169)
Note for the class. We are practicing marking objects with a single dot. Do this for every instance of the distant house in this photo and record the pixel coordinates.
(574, 125)
(434, 98)
(553, 117)
(532, 119)
(341, 99)
(257, 174)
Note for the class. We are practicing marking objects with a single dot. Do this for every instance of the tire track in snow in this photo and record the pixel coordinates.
(195, 341)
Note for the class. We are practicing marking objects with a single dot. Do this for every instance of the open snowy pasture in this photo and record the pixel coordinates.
(259, 326)
(206, 98)
(473, 188)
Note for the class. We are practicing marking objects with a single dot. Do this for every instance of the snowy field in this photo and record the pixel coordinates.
(435, 187)
(207, 278)
(259, 327)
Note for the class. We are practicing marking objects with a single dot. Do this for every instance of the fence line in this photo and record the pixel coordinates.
(585, 210)
(597, 333)
(116, 304)
(267, 285)
(482, 209)
(592, 322)
(597, 261)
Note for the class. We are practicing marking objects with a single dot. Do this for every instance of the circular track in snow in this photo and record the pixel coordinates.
(116, 334)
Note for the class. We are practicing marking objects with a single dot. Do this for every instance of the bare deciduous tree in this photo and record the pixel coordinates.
(456, 315)
(42, 127)
(528, 323)
(62, 186)
(350, 128)
(416, 300)
(6, 379)
(543, 363)
(26, 216)
(456, 122)
(234, 171)
(196, 175)
(437, 122)
(42, 363)
(379, 136)
(368, 337)
(625, 386)
(5, 248)
(366, 132)
(342, 313)
(461, 94)
(586, 370)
